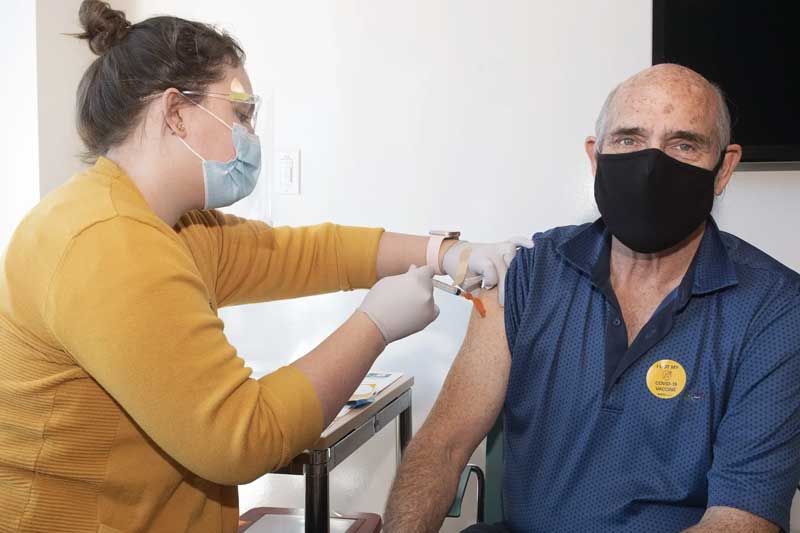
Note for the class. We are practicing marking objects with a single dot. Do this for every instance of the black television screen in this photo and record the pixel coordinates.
(751, 49)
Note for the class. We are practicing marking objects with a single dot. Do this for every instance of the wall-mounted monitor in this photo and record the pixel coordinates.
(750, 48)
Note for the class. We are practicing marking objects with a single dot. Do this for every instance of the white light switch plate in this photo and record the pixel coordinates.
(287, 172)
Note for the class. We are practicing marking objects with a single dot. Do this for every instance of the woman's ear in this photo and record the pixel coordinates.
(172, 102)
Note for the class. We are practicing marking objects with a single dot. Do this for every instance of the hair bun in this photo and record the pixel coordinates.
(103, 27)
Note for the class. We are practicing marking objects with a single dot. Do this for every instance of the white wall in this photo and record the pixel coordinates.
(762, 208)
(42, 66)
(19, 178)
(62, 60)
(435, 113)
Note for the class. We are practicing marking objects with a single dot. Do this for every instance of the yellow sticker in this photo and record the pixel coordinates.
(666, 379)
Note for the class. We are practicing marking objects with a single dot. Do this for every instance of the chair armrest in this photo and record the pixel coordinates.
(455, 509)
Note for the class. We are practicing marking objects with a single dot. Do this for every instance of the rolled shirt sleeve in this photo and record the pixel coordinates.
(756, 465)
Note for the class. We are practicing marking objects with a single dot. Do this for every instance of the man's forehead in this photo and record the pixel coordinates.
(675, 94)
(673, 106)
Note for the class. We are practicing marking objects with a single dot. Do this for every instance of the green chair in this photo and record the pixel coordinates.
(490, 504)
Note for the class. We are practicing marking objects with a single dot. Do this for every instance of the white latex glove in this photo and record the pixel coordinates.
(490, 261)
(402, 305)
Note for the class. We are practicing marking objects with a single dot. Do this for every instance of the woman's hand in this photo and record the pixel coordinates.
(489, 261)
(402, 305)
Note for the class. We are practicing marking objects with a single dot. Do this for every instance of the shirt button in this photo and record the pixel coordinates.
(617, 322)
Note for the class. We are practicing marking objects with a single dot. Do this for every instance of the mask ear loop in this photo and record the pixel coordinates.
(201, 106)
(200, 157)
(203, 159)
(214, 115)
(716, 170)
(721, 162)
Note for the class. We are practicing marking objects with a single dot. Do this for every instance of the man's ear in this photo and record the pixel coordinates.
(589, 146)
(733, 154)
(172, 103)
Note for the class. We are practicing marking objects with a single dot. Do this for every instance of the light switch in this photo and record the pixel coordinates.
(287, 172)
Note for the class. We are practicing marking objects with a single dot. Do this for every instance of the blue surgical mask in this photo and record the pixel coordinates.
(228, 182)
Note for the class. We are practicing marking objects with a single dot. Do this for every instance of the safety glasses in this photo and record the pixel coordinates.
(245, 106)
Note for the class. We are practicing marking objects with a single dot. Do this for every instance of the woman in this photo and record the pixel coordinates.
(123, 406)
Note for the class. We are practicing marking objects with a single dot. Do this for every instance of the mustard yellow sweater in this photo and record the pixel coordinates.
(122, 405)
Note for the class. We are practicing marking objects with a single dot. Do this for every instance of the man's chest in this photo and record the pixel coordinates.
(638, 305)
(660, 412)
(656, 421)
(562, 352)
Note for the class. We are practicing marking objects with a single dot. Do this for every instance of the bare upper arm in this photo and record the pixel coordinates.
(474, 390)
(720, 519)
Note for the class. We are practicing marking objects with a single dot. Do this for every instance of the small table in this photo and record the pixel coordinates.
(344, 436)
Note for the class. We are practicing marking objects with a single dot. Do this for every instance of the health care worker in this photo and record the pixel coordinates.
(123, 407)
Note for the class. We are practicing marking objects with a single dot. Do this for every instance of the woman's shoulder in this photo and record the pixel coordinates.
(81, 209)
(80, 203)
(87, 208)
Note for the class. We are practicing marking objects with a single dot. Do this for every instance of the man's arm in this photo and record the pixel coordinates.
(731, 520)
(467, 406)
(756, 454)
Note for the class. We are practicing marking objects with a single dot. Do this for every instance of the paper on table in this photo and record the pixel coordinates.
(372, 385)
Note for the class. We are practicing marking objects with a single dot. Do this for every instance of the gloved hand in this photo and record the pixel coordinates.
(489, 261)
(402, 305)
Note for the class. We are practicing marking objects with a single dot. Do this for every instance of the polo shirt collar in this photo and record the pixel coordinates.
(585, 250)
(711, 269)
(715, 270)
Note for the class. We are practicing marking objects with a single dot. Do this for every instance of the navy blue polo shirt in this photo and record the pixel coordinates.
(703, 409)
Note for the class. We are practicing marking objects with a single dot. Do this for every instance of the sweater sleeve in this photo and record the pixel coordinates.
(128, 304)
(256, 262)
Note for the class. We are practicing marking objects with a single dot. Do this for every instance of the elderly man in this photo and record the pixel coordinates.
(647, 365)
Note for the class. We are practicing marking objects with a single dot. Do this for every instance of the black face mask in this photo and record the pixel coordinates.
(650, 201)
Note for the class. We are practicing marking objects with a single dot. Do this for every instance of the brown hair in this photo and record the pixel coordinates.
(140, 60)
